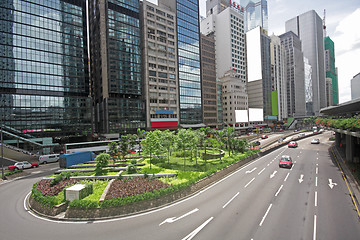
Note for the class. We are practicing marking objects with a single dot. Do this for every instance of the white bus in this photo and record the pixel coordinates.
(95, 147)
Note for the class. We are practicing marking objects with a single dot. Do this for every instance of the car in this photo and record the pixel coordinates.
(49, 158)
(285, 161)
(264, 137)
(301, 134)
(315, 141)
(22, 165)
(292, 144)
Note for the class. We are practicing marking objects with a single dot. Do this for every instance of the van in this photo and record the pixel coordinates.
(49, 158)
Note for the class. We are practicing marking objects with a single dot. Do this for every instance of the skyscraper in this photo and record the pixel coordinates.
(294, 74)
(259, 85)
(159, 56)
(331, 69)
(256, 14)
(115, 56)
(308, 27)
(189, 69)
(44, 83)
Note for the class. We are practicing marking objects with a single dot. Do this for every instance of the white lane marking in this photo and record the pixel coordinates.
(261, 171)
(331, 184)
(273, 174)
(317, 170)
(231, 200)
(249, 182)
(251, 170)
(52, 169)
(316, 180)
(286, 177)
(174, 219)
(36, 172)
(263, 219)
(197, 230)
(301, 179)
(315, 198)
(268, 164)
(279, 190)
(314, 236)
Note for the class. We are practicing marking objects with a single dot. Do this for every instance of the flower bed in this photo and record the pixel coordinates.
(124, 187)
(44, 186)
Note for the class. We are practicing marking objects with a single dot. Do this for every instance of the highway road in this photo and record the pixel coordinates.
(258, 201)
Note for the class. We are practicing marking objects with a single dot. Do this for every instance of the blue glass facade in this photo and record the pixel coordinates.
(256, 14)
(44, 83)
(189, 61)
(116, 65)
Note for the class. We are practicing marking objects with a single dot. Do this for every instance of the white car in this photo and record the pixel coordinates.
(49, 158)
(315, 141)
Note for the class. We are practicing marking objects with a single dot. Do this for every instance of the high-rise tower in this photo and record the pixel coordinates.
(309, 28)
(44, 83)
(189, 69)
(331, 69)
(115, 56)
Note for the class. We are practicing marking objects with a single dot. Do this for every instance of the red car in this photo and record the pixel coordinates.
(285, 161)
(264, 137)
(22, 165)
(292, 144)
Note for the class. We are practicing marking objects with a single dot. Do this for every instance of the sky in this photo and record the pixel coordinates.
(342, 24)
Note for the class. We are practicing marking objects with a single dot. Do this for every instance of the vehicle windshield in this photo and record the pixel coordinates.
(285, 159)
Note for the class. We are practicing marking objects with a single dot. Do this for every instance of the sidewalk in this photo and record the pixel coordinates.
(353, 184)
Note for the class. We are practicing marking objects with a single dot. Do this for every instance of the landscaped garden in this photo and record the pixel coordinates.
(145, 166)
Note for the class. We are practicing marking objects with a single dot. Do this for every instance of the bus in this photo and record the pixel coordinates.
(95, 147)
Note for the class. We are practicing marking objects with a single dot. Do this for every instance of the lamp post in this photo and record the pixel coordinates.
(2, 150)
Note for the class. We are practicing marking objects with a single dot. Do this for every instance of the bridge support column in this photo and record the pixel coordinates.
(350, 142)
(337, 139)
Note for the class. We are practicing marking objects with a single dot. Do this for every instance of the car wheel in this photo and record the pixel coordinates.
(45, 162)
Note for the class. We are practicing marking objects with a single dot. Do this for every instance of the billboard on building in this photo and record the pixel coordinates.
(241, 116)
(253, 46)
(256, 114)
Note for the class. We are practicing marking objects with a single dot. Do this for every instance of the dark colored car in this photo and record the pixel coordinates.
(256, 143)
(285, 161)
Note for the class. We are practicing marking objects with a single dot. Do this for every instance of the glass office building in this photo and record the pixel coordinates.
(188, 35)
(256, 14)
(115, 55)
(44, 83)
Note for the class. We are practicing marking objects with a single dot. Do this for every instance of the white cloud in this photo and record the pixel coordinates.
(347, 52)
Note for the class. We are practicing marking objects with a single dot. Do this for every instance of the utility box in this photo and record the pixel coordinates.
(76, 192)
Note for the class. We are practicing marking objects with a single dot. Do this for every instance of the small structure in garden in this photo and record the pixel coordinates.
(77, 192)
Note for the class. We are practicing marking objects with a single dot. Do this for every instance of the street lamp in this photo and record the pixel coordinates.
(2, 151)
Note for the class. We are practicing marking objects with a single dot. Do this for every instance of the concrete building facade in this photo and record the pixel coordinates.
(159, 57)
(209, 82)
(308, 27)
(295, 78)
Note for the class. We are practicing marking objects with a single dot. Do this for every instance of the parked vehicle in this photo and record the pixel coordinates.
(264, 137)
(292, 144)
(49, 158)
(285, 161)
(69, 159)
(315, 141)
(22, 165)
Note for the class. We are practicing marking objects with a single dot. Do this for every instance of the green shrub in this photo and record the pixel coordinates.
(131, 169)
(62, 176)
(133, 162)
(49, 201)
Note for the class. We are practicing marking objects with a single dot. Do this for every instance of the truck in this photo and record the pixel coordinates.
(68, 159)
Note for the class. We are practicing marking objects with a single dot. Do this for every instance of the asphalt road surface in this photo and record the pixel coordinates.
(259, 201)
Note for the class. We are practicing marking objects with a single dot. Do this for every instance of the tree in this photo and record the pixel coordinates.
(140, 135)
(113, 150)
(152, 143)
(168, 139)
(183, 141)
(102, 161)
(229, 134)
(124, 145)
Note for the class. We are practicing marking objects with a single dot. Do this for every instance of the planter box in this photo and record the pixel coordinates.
(76, 192)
